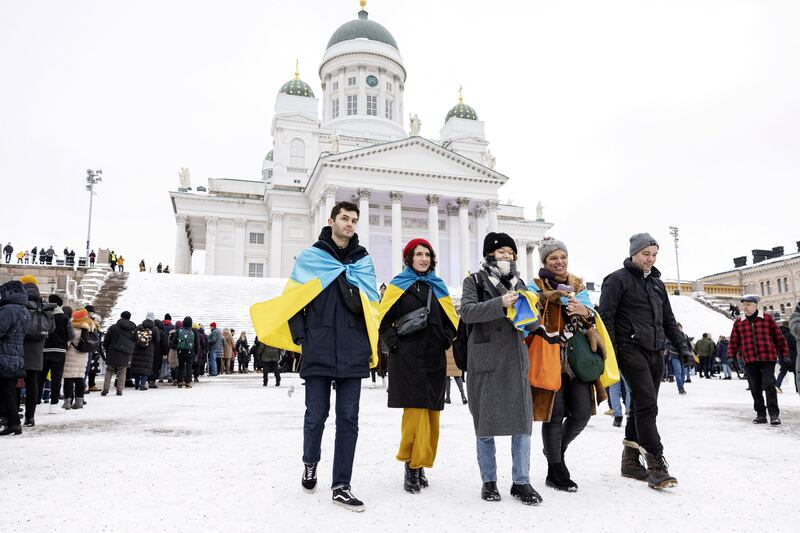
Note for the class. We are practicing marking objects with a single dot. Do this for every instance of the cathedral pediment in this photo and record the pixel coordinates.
(412, 156)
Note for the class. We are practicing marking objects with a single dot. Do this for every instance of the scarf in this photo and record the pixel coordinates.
(503, 282)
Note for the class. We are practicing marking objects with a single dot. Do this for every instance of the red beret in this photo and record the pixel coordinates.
(413, 244)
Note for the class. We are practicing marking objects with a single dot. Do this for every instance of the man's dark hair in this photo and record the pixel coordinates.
(705, 335)
(344, 206)
(408, 260)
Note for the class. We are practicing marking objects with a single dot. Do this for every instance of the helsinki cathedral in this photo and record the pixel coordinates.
(355, 147)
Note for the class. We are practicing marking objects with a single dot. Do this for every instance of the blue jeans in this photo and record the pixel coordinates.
(212, 362)
(140, 380)
(615, 396)
(726, 368)
(520, 457)
(318, 405)
(677, 369)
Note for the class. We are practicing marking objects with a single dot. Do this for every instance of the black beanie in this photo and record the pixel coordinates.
(167, 317)
(493, 241)
(55, 299)
(126, 315)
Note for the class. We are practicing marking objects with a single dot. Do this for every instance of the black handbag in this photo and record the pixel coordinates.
(414, 321)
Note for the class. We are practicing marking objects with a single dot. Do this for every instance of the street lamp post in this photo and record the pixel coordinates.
(673, 230)
(92, 178)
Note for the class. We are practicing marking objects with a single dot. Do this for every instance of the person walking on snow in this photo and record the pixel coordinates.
(756, 336)
(635, 308)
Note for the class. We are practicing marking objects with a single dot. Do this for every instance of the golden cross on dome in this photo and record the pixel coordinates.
(362, 3)
(460, 97)
(297, 69)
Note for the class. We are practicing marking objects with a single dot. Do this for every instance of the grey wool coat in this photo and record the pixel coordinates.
(497, 364)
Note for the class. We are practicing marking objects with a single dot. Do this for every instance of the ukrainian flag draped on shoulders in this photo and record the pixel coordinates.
(313, 271)
(401, 282)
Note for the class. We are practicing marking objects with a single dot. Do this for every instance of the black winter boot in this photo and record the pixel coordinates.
(526, 494)
(632, 466)
(411, 480)
(489, 492)
(12, 430)
(657, 475)
(558, 478)
(423, 479)
(30, 422)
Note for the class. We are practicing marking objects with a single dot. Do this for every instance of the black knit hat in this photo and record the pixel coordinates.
(126, 315)
(493, 241)
(167, 317)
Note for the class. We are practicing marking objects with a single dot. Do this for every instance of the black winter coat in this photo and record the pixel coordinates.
(334, 339)
(636, 309)
(14, 320)
(34, 348)
(142, 359)
(55, 346)
(417, 362)
(119, 343)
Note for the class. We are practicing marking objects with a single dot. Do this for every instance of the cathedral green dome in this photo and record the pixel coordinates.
(269, 156)
(297, 87)
(362, 28)
(461, 110)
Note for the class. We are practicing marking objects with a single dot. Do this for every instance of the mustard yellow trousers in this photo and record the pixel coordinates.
(419, 437)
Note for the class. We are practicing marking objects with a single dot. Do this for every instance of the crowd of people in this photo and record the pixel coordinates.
(50, 352)
(47, 256)
(532, 352)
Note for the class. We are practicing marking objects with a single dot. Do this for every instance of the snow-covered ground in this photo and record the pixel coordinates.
(226, 456)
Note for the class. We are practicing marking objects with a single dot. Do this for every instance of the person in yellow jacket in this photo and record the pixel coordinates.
(121, 264)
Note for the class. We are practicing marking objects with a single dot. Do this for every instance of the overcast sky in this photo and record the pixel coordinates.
(620, 116)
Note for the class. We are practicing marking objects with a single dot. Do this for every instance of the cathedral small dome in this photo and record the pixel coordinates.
(362, 28)
(269, 156)
(297, 87)
(461, 110)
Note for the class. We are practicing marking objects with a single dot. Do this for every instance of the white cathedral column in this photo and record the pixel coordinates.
(275, 244)
(491, 207)
(522, 260)
(322, 219)
(397, 231)
(182, 261)
(363, 217)
(211, 244)
(463, 235)
(329, 193)
(452, 256)
(533, 263)
(481, 225)
(239, 226)
(433, 221)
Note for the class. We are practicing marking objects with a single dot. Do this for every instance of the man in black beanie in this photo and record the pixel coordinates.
(636, 311)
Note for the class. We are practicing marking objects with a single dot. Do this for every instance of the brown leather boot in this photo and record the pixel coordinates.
(657, 475)
(632, 466)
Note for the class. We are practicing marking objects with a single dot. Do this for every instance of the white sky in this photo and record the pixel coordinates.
(620, 116)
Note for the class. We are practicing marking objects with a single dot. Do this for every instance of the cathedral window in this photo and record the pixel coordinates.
(335, 108)
(297, 153)
(372, 105)
(335, 86)
(388, 109)
(351, 81)
(256, 238)
(352, 104)
(389, 86)
(255, 270)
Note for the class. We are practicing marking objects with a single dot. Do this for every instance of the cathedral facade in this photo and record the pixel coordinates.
(356, 148)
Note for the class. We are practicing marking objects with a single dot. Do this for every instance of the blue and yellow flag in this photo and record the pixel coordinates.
(313, 271)
(401, 282)
(524, 311)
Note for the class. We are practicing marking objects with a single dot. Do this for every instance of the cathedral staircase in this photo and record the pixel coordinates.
(108, 294)
(713, 303)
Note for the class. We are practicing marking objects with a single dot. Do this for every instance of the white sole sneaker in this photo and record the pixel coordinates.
(355, 509)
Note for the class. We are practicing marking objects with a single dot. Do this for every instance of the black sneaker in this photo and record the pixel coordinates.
(773, 421)
(342, 496)
(489, 492)
(309, 480)
(526, 494)
(29, 422)
(617, 421)
(760, 419)
(681, 391)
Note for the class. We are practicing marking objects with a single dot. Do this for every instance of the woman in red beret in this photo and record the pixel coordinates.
(418, 323)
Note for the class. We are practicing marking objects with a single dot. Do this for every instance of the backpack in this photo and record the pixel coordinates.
(41, 324)
(144, 337)
(464, 330)
(89, 342)
(185, 340)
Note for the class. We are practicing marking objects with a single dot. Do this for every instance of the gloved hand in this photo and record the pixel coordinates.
(595, 341)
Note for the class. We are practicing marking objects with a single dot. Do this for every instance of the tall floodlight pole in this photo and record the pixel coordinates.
(92, 178)
(673, 230)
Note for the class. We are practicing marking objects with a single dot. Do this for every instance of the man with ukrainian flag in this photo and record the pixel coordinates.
(328, 311)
